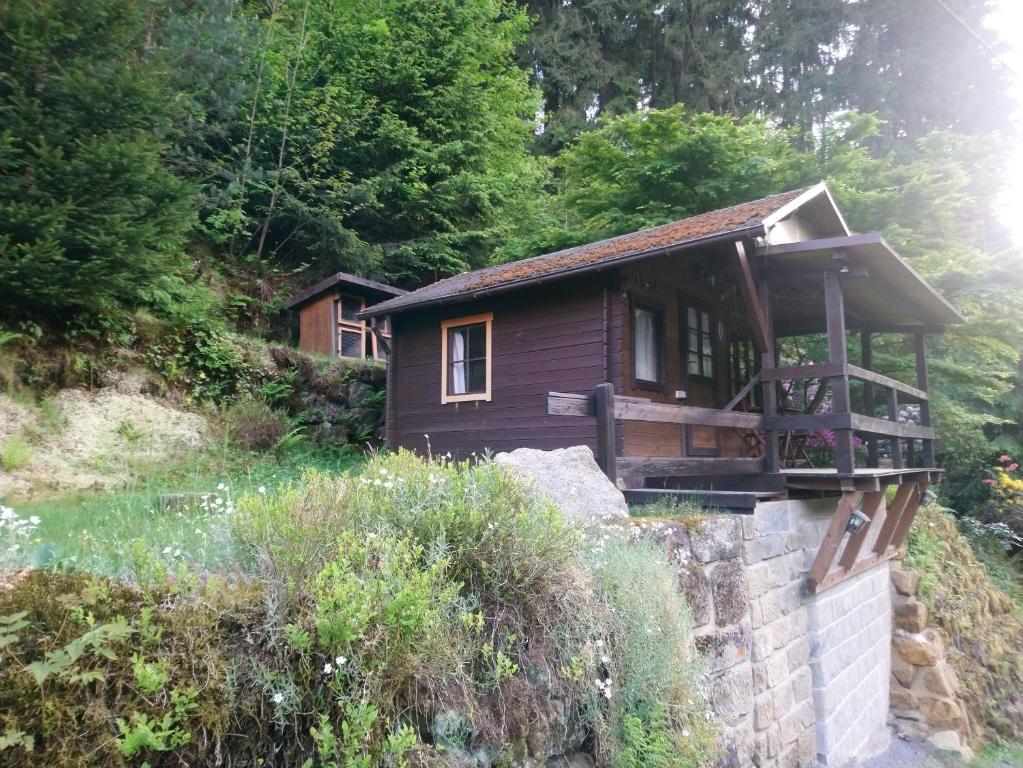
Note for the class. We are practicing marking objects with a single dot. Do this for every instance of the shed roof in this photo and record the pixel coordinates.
(743, 220)
(361, 285)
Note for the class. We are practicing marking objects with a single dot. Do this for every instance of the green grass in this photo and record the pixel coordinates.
(104, 531)
(15, 453)
(1000, 756)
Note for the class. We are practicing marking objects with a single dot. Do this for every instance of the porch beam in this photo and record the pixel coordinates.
(749, 294)
(769, 389)
(743, 392)
(603, 402)
(832, 538)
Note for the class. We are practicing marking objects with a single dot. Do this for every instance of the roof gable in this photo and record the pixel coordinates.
(344, 281)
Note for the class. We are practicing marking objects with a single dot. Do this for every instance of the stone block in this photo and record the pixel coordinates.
(911, 616)
(762, 644)
(802, 685)
(760, 757)
(728, 587)
(902, 698)
(724, 648)
(902, 671)
(798, 653)
(806, 748)
(718, 537)
(777, 670)
(760, 677)
(736, 747)
(781, 699)
(731, 692)
(772, 517)
(763, 547)
(758, 579)
(806, 714)
(763, 712)
(780, 602)
(918, 649)
(939, 680)
(748, 528)
(905, 581)
(793, 542)
(942, 713)
(692, 580)
(789, 727)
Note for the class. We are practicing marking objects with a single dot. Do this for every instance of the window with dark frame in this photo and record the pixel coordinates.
(699, 341)
(647, 346)
(744, 365)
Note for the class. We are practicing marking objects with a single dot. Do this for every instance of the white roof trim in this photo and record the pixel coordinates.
(794, 205)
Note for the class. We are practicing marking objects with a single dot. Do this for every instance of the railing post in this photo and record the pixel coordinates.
(837, 353)
(920, 344)
(896, 443)
(604, 407)
(769, 389)
(867, 361)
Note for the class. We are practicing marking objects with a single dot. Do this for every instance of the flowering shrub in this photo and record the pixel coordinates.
(422, 613)
(1003, 511)
(15, 532)
(820, 447)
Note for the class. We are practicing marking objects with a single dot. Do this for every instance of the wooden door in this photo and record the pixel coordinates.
(698, 334)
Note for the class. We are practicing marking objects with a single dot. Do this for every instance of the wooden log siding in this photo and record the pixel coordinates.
(638, 409)
(552, 338)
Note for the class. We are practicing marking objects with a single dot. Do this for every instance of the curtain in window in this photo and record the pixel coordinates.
(646, 345)
(457, 362)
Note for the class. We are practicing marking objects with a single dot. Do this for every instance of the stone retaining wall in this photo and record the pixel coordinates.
(798, 679)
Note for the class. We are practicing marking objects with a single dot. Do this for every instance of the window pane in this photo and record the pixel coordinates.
(456, 384)
(456, 345)
(351, 344)
(694, 364)
(477, 376)
(691, 318)
(477, 340)
(708, 366)
(646, 362)
(349, 309)
(706, 322)
(694, 342)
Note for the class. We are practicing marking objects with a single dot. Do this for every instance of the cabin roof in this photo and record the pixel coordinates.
(743, 220)
(360, 285)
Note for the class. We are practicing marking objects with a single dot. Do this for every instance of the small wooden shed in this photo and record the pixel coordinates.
(329, 321)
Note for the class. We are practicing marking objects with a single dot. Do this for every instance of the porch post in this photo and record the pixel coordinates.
(920, 344)
(604, 406)
(837, 353)
(867, 361)
(772, 462)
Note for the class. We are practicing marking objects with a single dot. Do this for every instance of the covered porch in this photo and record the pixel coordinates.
(834, 287)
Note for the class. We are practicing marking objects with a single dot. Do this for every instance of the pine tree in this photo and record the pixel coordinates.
(90, 219)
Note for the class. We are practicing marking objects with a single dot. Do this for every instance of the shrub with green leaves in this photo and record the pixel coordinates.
(422, 612)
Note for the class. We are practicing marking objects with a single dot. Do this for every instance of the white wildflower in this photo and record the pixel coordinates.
(261, 490)
(277, 698)
(34, 520)
(166, 550)
(340, 661)
(328, 668)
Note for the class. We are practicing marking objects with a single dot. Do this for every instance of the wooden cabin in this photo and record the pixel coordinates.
(658, 349)
(329, 321)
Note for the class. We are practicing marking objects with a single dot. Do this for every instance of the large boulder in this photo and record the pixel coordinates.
(571, 479)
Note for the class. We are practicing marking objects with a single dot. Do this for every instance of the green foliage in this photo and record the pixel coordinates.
(982, 622)
(92, 220)
(16, 453)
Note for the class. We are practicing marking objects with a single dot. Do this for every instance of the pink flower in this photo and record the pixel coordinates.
(1004, 458)
(989, 482)
(1013, 467)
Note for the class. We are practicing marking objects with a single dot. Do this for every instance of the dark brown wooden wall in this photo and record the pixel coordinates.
(554, 337)
(316, 325)
(663, 282)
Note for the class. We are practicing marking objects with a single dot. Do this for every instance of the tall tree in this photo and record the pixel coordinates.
(90, 218)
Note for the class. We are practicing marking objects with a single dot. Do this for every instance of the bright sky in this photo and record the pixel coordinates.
(1007, 19)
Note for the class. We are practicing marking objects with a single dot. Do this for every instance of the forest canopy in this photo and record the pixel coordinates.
(203, 158)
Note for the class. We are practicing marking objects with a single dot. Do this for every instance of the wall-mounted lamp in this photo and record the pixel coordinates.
(928, 498)
(857, 522)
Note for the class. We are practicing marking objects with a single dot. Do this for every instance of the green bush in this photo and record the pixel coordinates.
(419, 613)
(254, 425)
(15, 453)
